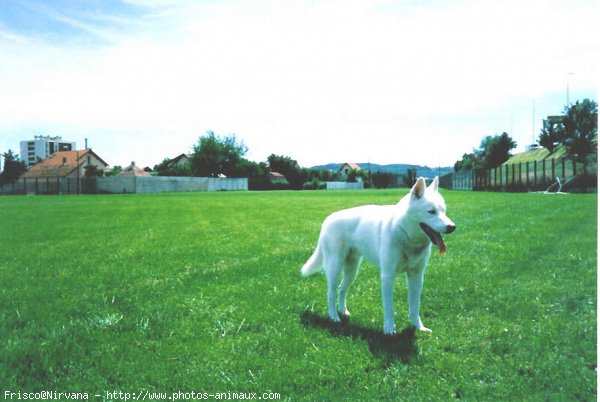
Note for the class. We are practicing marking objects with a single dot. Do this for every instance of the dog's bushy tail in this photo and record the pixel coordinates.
(313, 265)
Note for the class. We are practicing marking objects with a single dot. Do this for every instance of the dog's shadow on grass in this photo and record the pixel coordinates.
(392, 348)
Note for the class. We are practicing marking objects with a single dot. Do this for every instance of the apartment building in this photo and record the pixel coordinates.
(42, 147)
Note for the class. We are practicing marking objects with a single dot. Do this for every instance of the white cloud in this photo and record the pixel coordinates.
(319, 81)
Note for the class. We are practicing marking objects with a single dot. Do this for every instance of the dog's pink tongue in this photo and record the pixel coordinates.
(435, 237)
(440, 244)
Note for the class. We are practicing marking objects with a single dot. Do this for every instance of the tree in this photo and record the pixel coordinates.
(13, 168)
(468, 162)
(214, 156)
(353, 175)
(411, 177)
(492, 152)
(382, 179)
(114, 171)
(290, 168)
(92, 171)
(495, 150)
(168, 168)
(325, 175)
(551, 134)
(580, 128)
(257, 174)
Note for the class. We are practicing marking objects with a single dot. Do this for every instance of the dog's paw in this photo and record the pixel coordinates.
(389, 330)
(335, 318)
(345, 313)
(423, 328)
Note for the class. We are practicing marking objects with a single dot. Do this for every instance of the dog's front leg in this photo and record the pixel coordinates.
(387, 291)
(414, 281)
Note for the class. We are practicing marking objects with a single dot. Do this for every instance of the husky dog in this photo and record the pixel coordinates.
(397, 238)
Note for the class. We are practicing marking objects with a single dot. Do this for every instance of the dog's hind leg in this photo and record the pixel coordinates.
(350, 269)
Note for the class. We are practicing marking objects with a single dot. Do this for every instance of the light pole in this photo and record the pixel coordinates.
(568, 75)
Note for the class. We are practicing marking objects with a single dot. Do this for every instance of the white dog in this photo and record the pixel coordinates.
(397, 238)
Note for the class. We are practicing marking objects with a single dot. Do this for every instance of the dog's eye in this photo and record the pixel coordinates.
(431, 212)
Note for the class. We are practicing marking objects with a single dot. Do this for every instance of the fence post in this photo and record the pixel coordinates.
(471, 181)
(498, 178)
(534, 174)
(564, 175)
(495, 186)
(543, 171)
(513, 176)
(574, 168)
(486, 178)
(498, 173)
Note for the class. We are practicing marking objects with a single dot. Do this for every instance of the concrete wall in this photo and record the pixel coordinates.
(163, 184)
(115, 184)
(341, 185)
(121, 185)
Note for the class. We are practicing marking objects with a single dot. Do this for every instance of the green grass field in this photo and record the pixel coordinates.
(201, 292)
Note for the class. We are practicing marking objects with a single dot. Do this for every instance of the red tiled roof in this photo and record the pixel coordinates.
(60, 164)
(133, 170)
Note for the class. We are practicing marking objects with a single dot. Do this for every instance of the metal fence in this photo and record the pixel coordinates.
(44, 186)
(527, 176)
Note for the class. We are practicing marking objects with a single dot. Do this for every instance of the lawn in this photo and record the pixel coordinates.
(201, 292)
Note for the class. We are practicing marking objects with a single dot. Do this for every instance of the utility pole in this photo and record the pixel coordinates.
(568, 75)
(78, 180)
(533, 121)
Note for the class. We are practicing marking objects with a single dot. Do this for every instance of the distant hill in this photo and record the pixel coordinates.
(395, 168)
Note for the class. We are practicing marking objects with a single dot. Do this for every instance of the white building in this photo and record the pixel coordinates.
(42, 147)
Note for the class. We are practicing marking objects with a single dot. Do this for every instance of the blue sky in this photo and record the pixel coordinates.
(320, 81)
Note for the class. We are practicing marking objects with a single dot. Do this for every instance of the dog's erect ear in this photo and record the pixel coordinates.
(434, 184)
(418, 189)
